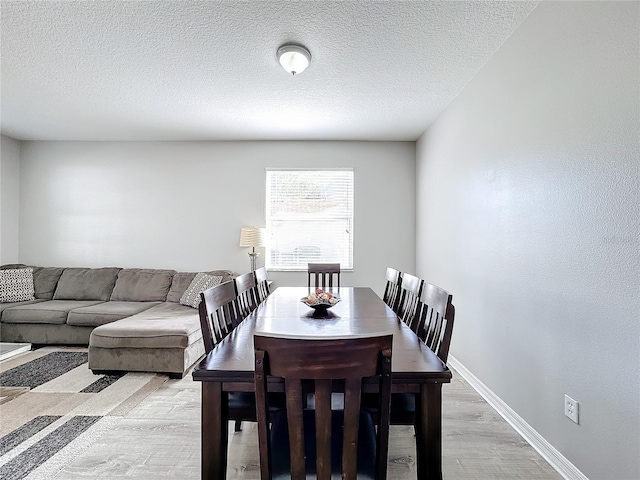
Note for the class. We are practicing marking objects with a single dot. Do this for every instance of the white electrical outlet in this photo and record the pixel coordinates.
(571, 408)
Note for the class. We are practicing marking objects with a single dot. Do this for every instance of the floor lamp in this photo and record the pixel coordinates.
(252, 237)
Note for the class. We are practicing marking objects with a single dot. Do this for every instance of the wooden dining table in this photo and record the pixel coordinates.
(229, 367)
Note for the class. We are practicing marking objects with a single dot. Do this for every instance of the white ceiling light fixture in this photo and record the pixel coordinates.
(293, 58)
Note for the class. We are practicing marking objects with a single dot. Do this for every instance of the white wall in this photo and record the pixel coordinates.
(528, 212)
(9, 199)
(181, 205)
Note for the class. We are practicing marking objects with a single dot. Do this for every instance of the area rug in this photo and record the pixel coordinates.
(52, 408)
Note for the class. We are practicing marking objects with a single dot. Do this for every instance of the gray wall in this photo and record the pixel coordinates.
(181, 205)
(528, 212)
(9, 198)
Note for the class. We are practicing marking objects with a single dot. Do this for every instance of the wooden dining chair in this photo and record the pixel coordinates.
(435, 325)
(323, 274)
(435, 319)
(392, 288)
(219, 315)
(247, 294)
(262, 281)
(323, 441)
(410, 290)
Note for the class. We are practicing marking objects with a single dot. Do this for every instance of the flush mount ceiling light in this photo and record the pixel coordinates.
(293, 58)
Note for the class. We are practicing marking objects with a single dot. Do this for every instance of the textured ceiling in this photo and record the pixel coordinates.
(206, 70)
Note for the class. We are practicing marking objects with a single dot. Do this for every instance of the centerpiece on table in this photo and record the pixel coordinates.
(320, 300)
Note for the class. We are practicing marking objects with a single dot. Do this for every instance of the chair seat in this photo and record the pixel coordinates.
(242, 405)
(242, 399)
(403, 407)
(280, 440)
(403, 402)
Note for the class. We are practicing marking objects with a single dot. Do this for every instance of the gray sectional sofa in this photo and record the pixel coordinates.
(130, 318)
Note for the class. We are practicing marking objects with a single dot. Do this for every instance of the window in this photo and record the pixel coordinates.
(309, 218)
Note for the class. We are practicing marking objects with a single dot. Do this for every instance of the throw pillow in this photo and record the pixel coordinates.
(16, 285)
(200, 283)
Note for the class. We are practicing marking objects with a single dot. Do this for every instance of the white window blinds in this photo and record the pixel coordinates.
(309, 218)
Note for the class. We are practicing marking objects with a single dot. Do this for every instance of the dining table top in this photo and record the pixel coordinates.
(360, 312)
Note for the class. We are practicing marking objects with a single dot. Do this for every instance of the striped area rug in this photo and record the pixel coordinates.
(52, 407)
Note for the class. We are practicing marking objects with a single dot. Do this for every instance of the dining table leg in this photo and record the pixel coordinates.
(215, 431)
(429, 431)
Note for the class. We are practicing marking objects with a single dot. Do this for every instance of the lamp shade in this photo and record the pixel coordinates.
(252, 237)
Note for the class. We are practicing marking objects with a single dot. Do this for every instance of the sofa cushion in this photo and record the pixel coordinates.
(45, 280)
(142, 285)
(182, 280)
(106, 312)
(86, 284)
(200, 283)
(16, 285)
(4, 306)
(49, 311)
(167, 325)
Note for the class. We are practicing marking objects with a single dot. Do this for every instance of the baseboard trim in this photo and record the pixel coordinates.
(558, 461)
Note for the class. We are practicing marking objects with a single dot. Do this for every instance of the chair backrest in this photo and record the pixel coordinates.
(323, 274)
(392, 289)
(219, 313)
(246, 290)
(262, 281)
(322, 362)
(435, 319)
(410, 291)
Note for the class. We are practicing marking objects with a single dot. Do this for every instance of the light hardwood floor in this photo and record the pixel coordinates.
(160, 438)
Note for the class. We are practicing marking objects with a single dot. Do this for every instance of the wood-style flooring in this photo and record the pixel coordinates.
(160, 439)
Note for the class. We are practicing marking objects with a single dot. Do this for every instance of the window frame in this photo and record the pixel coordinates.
(300, 268)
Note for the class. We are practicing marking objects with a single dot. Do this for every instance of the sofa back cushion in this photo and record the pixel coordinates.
(142, 285)
(86, 284)
(45, 281)
(182, 280)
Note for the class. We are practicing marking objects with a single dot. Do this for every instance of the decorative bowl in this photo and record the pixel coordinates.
(319, 306)
(320, 300)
